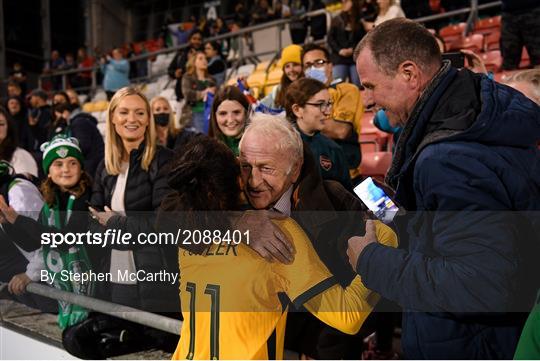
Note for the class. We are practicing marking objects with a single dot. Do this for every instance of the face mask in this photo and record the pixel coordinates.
(317, 74)
(161, 119)
(381, 122)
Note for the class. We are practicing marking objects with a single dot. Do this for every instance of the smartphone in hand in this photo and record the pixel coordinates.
(376, 200)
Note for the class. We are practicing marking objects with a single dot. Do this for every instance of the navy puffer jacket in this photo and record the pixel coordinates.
(467, 170)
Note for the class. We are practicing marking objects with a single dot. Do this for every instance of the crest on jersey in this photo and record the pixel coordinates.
(326, 163)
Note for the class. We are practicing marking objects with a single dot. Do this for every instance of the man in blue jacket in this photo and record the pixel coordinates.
(467, 173)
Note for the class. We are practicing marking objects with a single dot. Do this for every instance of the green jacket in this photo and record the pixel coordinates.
(529, 344)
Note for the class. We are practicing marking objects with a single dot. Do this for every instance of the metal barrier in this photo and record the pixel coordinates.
(153, 320)
(472, 10)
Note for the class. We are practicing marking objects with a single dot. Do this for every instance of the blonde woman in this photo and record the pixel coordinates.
(129, 186)
(168, 135)
(196, 84)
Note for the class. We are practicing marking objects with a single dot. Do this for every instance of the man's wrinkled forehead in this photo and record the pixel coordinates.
(264, 146)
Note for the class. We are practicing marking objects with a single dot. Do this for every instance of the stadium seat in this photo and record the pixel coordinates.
(262, 66)
(375, 164)
(274, 78)
(366, 124)
(492, 41)
(97, 106)
(374, 141)
(161, 64)
(474, 42)
(451, 33)
(492, 60)
(256, 82)
(487, 26)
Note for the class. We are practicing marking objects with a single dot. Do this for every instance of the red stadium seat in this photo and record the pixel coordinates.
(452, 30)
(475, 42)
(492, 41)
(375, 164)
(487, 26)
(492, 60)
(366, 125)
(374, 141)
(452, 33)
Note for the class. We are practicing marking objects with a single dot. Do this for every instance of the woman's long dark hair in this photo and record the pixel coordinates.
(205, 177)
(10, 143)
(204, 180)
(352, 17)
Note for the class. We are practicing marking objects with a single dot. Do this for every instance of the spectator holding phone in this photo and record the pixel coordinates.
(465, 163)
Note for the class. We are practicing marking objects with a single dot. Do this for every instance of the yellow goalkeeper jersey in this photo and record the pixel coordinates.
(234, 302)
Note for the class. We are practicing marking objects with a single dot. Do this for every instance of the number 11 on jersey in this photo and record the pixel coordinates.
(213, 292)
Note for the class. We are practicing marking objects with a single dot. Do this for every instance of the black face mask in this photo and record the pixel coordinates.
(162, 119)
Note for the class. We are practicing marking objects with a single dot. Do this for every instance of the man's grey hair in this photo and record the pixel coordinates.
(398, 40)
(286, 137)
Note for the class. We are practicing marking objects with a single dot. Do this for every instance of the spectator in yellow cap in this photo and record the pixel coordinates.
(291, 63)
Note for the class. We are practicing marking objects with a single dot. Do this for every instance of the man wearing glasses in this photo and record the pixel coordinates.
(344, 124)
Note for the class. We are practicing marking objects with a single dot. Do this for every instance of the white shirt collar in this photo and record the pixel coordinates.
(284, 204)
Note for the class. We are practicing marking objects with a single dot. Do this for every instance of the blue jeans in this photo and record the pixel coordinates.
(198, 123)
(346, 71)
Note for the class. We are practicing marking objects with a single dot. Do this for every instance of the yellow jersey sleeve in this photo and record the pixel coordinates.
(307, 275)
(385, 235)
(344, 309)
(347, 309)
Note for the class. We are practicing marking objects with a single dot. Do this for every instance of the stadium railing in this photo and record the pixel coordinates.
(244, 56)
(145, 318)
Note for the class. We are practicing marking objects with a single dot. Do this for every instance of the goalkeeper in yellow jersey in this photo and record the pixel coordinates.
(234, 302)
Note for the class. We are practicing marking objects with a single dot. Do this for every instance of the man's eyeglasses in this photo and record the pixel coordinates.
(317, 63)
(323, 107)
